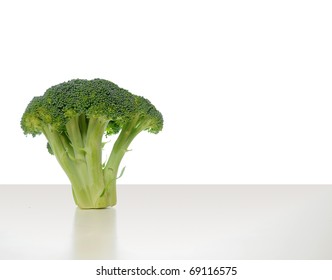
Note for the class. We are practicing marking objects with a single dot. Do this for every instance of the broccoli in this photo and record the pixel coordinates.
(74, 116)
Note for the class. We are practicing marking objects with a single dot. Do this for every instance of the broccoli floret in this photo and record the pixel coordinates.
(74, 116)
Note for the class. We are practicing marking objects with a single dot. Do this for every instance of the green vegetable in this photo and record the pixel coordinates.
(74, 116)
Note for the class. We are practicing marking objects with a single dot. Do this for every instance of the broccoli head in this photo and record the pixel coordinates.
(74, 116)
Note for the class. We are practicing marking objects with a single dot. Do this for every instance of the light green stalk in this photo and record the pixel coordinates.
(79, 153)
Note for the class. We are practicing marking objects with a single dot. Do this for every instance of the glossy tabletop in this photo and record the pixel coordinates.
(169, 222)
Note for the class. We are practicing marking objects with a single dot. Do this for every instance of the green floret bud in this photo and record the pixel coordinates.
(74, 116)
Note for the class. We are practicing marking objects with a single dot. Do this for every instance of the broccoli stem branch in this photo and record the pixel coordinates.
(128, 133)
(64, 154)
(93, 156)
(94, 179)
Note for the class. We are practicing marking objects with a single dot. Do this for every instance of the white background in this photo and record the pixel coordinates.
(244, 86)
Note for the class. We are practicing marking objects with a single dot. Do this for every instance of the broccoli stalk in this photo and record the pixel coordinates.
(74, 116)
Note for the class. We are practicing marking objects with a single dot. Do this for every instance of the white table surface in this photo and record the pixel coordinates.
(169, 222)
